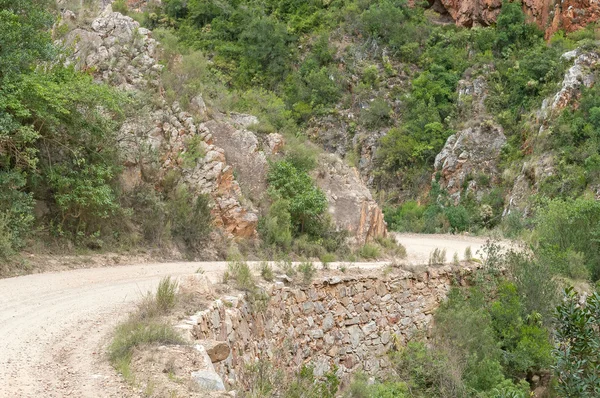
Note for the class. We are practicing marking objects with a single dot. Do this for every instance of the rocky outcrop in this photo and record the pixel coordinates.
(164, 146)
(117, 50)
(549, 15)
(350, 322)
(243, 150)
(468, 154)
(578, 75)
(540, 165)
(468, 162)
(161, 145)
(350, 202)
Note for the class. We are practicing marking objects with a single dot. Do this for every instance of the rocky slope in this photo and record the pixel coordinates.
(164, 145)
(541, 163)
(475, 150)
(549, 15)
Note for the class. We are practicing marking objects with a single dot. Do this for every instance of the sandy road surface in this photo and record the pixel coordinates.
(54, 327)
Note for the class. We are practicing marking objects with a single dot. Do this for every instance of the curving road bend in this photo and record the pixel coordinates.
(54, 326)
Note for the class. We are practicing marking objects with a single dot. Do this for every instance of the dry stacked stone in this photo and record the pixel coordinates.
(346, 323)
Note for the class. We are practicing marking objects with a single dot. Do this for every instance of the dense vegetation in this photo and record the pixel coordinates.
(296, 63)
(59, 155)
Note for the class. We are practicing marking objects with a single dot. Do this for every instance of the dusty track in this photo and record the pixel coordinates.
(54, 327)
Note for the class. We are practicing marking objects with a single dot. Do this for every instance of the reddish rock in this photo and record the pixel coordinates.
(549, 15)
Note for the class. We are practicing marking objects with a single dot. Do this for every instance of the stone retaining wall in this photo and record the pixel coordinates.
(347, 322)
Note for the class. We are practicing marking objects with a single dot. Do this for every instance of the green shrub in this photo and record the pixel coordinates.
(327, 258)
(6, 238)
(361, 388)
(307, 203)
(266, 380)
(437, 257)
(194, 151)
(306, 247)
(16, 212)
(407, 217)
(308, 271)
(535, 283)
(512, 224)
(241, 274)
(468, 254)
(120, 6)
(458, 217)
(266, 271)
(190, 218)
(570, 226)
(166, 294)
(377, 115)
(149, 212)
(391, 246)
(576, 353)
(276, 227)
(287, 267)
(369, 251)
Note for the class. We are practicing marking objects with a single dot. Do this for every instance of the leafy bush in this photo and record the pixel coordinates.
(241, 274)
(16, 212)
(191, 220)
(276, 227)
(406, 217)
(369, 251)
(6, 238)
(149, 212)
(577, 356)
(570, 226)
(535, 283)
(307, 203)
(458, 217)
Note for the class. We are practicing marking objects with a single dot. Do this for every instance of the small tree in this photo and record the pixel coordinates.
(577, 352)
(307, 203)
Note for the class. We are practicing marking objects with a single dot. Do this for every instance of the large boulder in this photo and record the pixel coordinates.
(217, 350)
(351, 204)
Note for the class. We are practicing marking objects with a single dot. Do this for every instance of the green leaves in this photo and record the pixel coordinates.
(307, 203)
(578, 350)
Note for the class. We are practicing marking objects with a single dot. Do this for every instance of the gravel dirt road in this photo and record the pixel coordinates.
(54, 327)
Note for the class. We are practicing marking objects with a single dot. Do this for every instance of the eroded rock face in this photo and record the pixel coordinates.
(117, 50)
(549, 15)
(350, 202)
(467, 154)
(578, 75)
(157, 143)
(474, 151)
